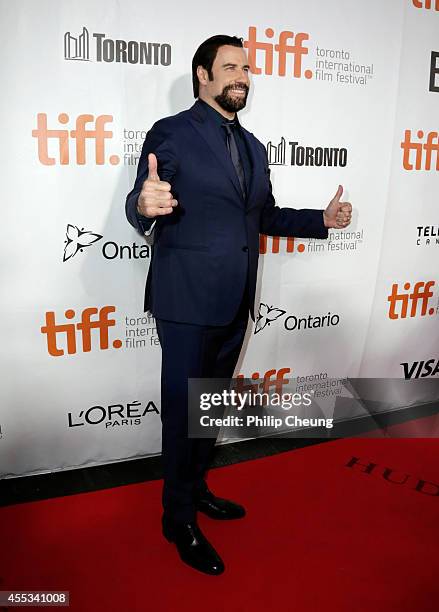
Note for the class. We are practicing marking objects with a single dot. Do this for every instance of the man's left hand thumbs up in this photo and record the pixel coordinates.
(337, 214)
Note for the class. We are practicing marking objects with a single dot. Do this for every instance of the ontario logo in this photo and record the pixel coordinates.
(77, 240)
(268, 314)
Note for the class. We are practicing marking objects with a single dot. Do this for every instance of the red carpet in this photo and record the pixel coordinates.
(318, 536)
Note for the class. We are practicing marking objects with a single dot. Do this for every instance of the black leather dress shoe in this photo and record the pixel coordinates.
(218, 508)
(193, 547)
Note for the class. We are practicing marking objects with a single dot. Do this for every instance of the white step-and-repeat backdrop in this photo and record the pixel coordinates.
(342, 93)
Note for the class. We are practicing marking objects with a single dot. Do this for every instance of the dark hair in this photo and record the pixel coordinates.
(206, 53)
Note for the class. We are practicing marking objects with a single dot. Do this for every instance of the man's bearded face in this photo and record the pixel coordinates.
(233, 97)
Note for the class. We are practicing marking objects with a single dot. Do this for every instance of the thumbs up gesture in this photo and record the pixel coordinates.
(155, 198)
(337, 214)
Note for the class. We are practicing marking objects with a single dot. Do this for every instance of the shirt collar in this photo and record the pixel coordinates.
(215, 116)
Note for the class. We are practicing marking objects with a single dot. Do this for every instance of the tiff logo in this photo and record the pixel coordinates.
(434, 71)
(423, 151)
(421, 293)
(68, 331)
(80, 135)
(77, 48)
(282, 49)
(275, 241)
(271, 378)
(428, 4)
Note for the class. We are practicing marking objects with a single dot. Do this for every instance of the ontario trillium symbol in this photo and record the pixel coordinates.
(77, 240)
(266, 315)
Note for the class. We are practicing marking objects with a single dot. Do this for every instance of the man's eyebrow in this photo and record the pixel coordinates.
(234, 65)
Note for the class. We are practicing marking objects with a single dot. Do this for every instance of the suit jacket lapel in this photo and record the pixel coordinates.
(257, 167)
(211, 136)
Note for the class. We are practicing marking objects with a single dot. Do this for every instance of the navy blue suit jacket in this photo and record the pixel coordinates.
(205, 248)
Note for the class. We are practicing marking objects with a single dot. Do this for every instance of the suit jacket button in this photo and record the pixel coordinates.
(245, 249)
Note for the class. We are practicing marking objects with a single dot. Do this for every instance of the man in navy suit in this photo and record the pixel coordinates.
(203, 185)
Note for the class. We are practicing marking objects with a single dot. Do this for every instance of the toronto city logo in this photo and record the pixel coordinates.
(77, 48)
(417, 298)
(268, 314)
(109, 50)
(299, 155)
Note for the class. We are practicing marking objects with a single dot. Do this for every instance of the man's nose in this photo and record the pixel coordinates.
(243, 77)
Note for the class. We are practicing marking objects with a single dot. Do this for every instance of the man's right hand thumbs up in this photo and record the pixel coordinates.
(152, 168)
(155, 198)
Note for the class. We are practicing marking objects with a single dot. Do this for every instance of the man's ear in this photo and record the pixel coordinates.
(202, 74)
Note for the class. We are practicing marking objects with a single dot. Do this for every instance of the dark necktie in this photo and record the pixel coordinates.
(234, 154)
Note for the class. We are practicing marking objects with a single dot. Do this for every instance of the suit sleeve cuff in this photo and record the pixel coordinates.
(146, 225)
